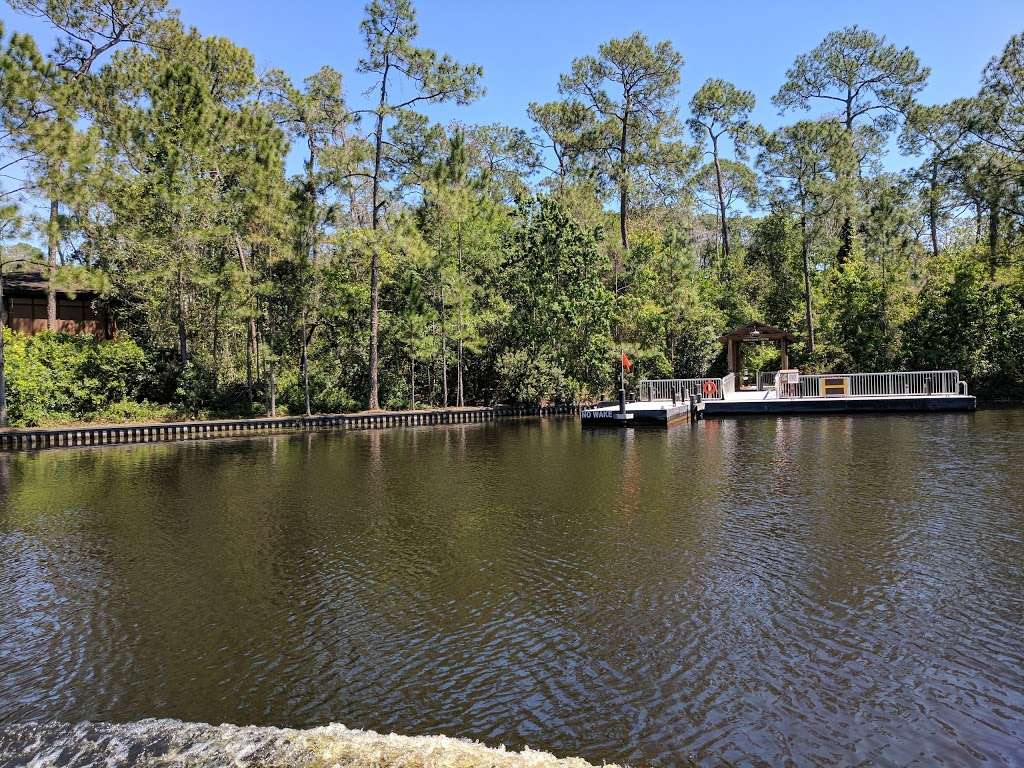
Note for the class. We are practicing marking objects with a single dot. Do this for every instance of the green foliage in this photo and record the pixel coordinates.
(389, 30)
(535, 377)
(58, 377)
(775, 271)
(410, 262)
(694, 347)
(720, 108)
(131, 411)
(565, 323)
(867, 75)
(862, 324)
(970, 324)
(1004, 342)
(629, 88)
(1002, 99)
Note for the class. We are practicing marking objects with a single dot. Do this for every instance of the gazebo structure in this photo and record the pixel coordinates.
(756, 333)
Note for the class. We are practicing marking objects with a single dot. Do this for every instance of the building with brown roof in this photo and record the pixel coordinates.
(79, 311)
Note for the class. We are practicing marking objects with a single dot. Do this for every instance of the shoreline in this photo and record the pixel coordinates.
(87, 434)
(174, 743)
(148, 432)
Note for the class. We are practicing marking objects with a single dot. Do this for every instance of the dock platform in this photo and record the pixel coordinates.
(791, 393)
(765, 403)
(638, 414)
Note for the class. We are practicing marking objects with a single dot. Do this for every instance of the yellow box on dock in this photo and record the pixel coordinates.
(835, 386)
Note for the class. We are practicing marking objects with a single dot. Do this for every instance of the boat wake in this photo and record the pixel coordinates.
(173, 743)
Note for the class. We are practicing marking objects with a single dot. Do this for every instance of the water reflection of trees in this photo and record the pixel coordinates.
(495, 581)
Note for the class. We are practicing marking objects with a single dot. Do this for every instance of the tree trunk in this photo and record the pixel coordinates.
(460, 394)
(808, 317)
(273, 391)
(993, 235)
(412, 382)
(3, 369)
(258, 364)
(933, 209)
(182, 333)
(721, 198)
(248, 368)
(846, 246)
(846, 232)
(623, 180)
(374, 399)
(271, 381)
(250, 352)
(52, 241)
(623, 205)
(216, 342)
(304, 363)
(444, 353)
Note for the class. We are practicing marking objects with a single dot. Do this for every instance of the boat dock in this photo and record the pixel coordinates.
(766, 402)
(640, 414)
(787, 393)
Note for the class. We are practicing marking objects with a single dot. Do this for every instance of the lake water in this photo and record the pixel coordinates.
(825, 590)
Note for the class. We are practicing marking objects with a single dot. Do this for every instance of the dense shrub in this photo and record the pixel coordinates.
(57, 377)
(533, 378)
(973, 324)
(862, 320)
(128, 411)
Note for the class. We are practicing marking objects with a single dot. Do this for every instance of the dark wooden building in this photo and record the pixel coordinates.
(78, 311)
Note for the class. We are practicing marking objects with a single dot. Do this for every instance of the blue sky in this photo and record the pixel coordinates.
(524, 45)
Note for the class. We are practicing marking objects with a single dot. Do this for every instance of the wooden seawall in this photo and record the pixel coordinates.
(117, 434)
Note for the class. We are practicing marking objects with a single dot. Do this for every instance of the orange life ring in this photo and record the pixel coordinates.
(710, 388)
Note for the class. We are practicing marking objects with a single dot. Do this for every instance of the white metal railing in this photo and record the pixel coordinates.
(710, 388)
(813, 385)
(728, 385)
(893, 383)
(766, 380)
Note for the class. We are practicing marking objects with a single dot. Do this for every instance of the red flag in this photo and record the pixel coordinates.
(627, 364)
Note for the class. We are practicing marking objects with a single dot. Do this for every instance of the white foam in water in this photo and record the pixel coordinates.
(173, 744)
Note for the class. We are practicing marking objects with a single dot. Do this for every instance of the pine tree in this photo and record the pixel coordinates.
(389, 30)
(871, 83)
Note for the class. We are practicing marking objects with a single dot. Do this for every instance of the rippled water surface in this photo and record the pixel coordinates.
(825, 590)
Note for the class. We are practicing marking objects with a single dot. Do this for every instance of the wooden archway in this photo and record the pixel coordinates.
(755, 333)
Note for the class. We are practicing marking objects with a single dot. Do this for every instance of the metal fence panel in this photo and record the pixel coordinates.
(887, 384)
(661, 389)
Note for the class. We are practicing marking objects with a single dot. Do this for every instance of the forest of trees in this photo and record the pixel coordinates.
(410, 263)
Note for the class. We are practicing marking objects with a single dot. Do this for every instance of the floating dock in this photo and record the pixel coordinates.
(788, 393)
(750, 403)
(640, 414)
